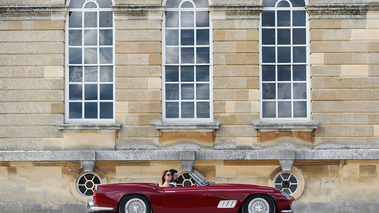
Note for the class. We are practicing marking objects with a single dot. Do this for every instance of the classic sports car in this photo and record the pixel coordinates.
(204, 197)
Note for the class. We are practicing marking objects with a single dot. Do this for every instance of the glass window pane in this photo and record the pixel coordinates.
(106, 74)
(75, 92)
(172, 74)
(201, 3)
(172, 37)
(90, 110)
(76, 3)
(90, 5)
(75, 110)
(202, 37)
(284, 36)
(298, 18)
(203, 110)
(268, 18)
(75, 74)
(106, 110)
(268, 91)
(90, 91)
(106, 55)
(172, 55)
(299, 91)
(104, 3)
(269, 109)
(172, 110)
(187, 37)
(172, 92)
(90, 37)
(187, 74)
(283, 4)
(202, 19)
(173, 3)
(75, 19)
(187, 92)
(268, 36)
(187, 55)
(298, 3)
(172, 19)
(299, 36)
(284, 109)
(269, 3)
(75, 38)
(202, 91)
(284, 54)
(284, 91)
(106, 19)
(90, 19)
(268, 73)
(283, 18)
(75, 56)
(188, 110)
(90, 55)
(90, 74)
(202, 56)
(106, 92)
(299, 73)
(300, 109)
(299, 55)
(202, 73)
(187, 18)
(187, 4)
(268, 54)
(284, 73)
(106, 37)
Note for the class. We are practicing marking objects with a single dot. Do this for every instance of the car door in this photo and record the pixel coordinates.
(185, 199)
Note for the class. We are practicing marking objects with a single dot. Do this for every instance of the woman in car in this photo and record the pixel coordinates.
(166, 178)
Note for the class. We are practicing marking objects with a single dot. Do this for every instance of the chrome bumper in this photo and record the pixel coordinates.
(286, 211)
(93, 208)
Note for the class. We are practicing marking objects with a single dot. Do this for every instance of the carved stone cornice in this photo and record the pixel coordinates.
(337, 10)
(138, 11)
(26, 12)
(236, 11)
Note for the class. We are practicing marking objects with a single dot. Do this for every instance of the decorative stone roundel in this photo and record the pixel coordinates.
(291, 182)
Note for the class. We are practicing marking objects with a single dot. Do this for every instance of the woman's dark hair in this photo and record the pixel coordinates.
(164, 174)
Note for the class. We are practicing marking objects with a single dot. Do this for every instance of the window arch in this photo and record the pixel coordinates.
(187, 72)
(90, 62)
(284, 61)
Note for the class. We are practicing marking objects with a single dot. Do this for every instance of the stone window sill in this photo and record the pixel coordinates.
(187, 127)
(89, 127)
(286, 127)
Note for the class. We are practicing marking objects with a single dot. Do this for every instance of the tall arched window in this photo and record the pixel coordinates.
(187, 75)
(284, 61)
(90, 62)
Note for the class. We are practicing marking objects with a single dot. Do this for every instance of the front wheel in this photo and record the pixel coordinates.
(258, 204)
(135, 204)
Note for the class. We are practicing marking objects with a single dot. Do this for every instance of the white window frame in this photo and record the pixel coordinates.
(307, 64)
(210, 64)
(67, 66)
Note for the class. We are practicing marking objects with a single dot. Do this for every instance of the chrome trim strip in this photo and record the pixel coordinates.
(286, 211)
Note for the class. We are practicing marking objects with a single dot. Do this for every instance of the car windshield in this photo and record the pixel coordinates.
(199, 178)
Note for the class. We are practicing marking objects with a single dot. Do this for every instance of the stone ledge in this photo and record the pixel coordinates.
(337, 10)
(236, 11)
(137, 155)
(187, 127)
(285, 127)
(33, 12)
(111, 126)
(138, 11)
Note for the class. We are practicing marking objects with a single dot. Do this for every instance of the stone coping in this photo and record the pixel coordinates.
(285, 127)
(99, 126)
(124, 155)
(187, 127)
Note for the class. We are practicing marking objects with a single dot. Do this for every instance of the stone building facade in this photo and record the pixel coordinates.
(279, 93)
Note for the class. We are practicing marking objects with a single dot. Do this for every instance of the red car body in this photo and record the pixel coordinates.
(202, 199)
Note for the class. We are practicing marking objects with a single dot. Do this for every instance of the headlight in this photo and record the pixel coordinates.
(285, 195)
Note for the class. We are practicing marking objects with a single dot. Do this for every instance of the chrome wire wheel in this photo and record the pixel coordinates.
(135, 205)
(258, 205)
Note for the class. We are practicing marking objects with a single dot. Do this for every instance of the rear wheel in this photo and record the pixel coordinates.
(134, 204)
(258, 204)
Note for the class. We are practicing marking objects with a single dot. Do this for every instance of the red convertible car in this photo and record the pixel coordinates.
(204, 197)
